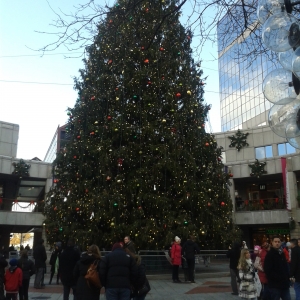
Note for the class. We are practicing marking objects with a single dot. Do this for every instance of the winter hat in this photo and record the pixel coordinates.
(13, 262)
(115, 246)
(288, 244)
(58, 244)
(177, 239)
(257, 248)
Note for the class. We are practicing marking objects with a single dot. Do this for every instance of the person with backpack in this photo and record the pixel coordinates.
(85, 289)
(13, 280)
(27, 267)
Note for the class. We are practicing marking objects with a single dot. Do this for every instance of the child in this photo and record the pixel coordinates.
(13, 280)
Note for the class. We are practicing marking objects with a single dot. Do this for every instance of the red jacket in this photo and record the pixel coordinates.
(287, 255)
(262, 275)
(176, 254)
(13, 280)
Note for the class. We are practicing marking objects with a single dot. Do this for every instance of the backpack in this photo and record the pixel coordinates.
(92, 275)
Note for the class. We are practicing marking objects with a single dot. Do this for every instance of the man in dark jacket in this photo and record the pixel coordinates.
(295, 266)
(277, 272)
(188, 250)
(128, 244)
(67, 262)
(233, 254)
(118, 271)
(3, 265)
(40, 257)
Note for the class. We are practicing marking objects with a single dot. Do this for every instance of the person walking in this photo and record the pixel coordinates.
(27, 267)
(3, 265)
(295, 266)
(176, 258)
(40, 257)
(118, 272)
(277, 272)
(83, 289)
(259, 265)
(189, 249)
(54, 262)
(67, 262)
(128, 244)
(234, 255)
(13, 280)
(247, 276)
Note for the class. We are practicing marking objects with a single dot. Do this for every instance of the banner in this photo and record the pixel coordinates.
(285, 183)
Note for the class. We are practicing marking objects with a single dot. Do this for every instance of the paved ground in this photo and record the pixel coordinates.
(205, 288)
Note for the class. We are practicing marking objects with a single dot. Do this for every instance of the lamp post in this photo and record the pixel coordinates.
(281, 34)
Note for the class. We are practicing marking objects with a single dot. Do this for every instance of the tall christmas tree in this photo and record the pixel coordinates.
(139, 161)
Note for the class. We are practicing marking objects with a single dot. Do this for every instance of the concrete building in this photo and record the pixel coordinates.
(21, 197)
(58, 142)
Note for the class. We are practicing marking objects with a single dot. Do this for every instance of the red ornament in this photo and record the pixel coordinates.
(230, 175)
(140, 207)
(163, 77)
(120, 162)
(246, 202)
(108, 178)
(203, 125)
(206, 144)
(55, 208)
(219, 158)
(108, 118)
(93, 98)
(208, 204)
(55, 180)
(202, 83)
(222, 203)
(110, 21)
(77, 208)
(178, 95)
(75, 156)
(161, 49)
(142, 48)
(147, 9)
(117, 88)
(188, 37)
(110, 62)
(146, 61)
(173, 130)
(78, 136)
(92, 133)
(86, 190)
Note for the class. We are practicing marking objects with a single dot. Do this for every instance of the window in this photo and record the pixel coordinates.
(263, 152)
(285, 148)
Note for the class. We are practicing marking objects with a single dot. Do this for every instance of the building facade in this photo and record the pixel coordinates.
(22, 195)
(58, 142)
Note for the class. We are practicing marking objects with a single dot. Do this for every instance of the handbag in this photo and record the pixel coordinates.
(257, 284)
(145, 289)
(92, 275)
(258, 265)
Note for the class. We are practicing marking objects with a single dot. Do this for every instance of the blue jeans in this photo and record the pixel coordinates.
(297, 290)
(67, 290)
(117, 294)
(276, 294)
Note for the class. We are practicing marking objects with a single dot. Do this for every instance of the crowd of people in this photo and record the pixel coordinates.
(121, 272)
(268, 273)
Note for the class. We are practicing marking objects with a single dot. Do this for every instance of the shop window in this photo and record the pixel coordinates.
(263, 152)
(285, 148)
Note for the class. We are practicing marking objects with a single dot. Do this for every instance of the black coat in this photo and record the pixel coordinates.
(130, 246)
(27, 267)
(40, 256)
(3, 265)
(118, 270)
(67, 262)
(53, 258)
(295, 263)
(276, 269)
(189, 249)
(141, 280)
(234, 256)
(83, 290)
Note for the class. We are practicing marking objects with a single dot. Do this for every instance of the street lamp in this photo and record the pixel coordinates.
(281, 34)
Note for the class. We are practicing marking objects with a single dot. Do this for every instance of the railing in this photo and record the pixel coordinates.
(260, 204)
(21, 206)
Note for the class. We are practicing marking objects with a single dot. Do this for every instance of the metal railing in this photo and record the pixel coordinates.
(260, 204)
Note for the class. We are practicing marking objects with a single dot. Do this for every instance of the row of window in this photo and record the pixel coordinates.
(267, 151)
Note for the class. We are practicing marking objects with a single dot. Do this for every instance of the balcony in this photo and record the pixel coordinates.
(260, 204)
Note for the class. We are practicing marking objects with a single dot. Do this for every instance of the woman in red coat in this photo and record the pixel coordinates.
(176, 258)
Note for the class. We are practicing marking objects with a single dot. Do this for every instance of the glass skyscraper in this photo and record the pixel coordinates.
(242, 102)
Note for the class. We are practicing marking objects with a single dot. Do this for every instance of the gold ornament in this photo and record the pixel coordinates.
(189, 93)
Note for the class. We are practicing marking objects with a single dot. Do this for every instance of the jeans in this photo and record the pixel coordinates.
(233, 276)
(175, 272)
(297, 290)
(266, 292)
(276, 294)
(23, 290)
(67, 290)
(139, 297)
(39, 278)
(191, 268)
(117, 294)
(11, 296)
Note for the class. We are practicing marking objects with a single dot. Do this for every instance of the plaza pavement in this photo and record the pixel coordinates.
(212, 283)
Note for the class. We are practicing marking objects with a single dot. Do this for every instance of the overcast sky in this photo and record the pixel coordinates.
(26, 96)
